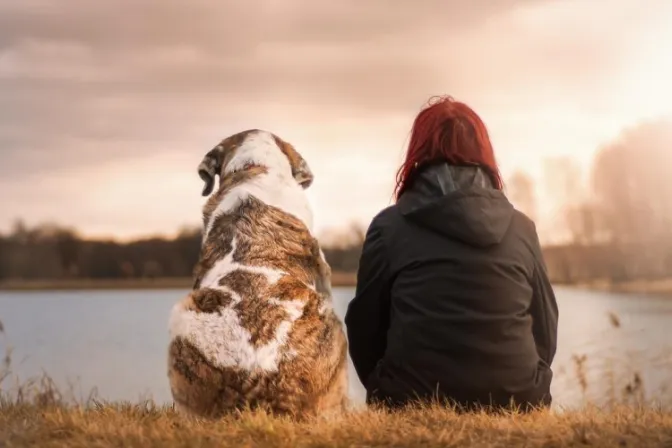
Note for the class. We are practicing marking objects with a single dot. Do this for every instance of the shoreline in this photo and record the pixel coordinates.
(661, 287)
(338, 279)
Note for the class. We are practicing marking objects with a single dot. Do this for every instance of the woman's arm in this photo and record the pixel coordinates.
(367, 318)
(544, 308)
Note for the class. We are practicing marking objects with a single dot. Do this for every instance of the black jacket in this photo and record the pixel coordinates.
(453, 299)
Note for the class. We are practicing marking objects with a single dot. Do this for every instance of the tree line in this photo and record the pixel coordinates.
(50, 251)
(617, 222)
(617, 218)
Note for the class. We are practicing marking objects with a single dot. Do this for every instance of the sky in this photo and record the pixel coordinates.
(106, 108)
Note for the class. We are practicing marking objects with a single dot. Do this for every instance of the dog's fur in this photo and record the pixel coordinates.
(258, 329)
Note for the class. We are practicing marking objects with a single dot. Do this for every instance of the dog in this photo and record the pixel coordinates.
(258, 330)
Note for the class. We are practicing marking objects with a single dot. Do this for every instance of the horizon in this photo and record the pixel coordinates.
(107, 114)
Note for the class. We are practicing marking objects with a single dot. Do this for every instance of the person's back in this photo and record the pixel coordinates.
(452, 298)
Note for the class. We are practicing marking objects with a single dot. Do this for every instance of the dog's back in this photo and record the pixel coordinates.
(258, 329)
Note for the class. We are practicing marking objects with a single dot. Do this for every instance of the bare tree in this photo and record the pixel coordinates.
(631, 180)
(565, 189)
(563, 180)
(521, 192)
(583, 222)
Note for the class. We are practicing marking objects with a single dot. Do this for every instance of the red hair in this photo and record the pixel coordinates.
(447, 131)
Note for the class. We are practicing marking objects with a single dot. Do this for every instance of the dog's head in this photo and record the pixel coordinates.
(252, 147)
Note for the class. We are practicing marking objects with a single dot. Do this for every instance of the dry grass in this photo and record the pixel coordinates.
(37, 413)
(146, 425)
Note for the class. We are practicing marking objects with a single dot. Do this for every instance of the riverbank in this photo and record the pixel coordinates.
(339, 279)
(660, 287)
(146, 425)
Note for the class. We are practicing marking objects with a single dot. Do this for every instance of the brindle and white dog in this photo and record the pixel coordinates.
(258, 330)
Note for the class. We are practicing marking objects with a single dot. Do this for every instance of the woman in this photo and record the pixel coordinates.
(453, 300)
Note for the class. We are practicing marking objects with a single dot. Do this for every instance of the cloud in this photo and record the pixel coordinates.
(90, 85)
(75, 73)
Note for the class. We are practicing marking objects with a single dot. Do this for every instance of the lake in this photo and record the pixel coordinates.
(116, 342)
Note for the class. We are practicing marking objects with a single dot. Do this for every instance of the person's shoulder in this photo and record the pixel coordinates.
(523, 220)
(383, 224)
(386, 217)
(526, 230)
(524, 223)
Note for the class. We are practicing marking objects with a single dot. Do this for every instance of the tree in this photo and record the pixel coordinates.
(583, 222)
(631, 181)
(565, 189)
(68, 247)
(521, 192)
(20, 231)
(563, 180)
(151, 269)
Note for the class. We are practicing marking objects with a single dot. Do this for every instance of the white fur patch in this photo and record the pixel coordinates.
(220, 337)
(276, 188)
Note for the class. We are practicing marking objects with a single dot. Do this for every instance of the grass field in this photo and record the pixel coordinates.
(145, 425)
(37, 414)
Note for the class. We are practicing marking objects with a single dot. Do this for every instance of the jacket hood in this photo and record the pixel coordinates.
(458, 202)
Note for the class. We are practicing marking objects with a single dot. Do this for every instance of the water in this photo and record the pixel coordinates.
(116, 341)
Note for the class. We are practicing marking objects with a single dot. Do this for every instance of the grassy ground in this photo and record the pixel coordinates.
(339, 279)
(149, 426)
(36, 414)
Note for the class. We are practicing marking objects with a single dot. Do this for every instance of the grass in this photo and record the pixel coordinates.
(36, 413)
(146, 425)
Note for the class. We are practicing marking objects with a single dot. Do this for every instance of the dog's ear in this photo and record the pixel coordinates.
(302, 173)
(300, 169)
(217, 158)
(210, 167)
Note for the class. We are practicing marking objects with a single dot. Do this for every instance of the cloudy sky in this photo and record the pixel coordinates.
(106, 108)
